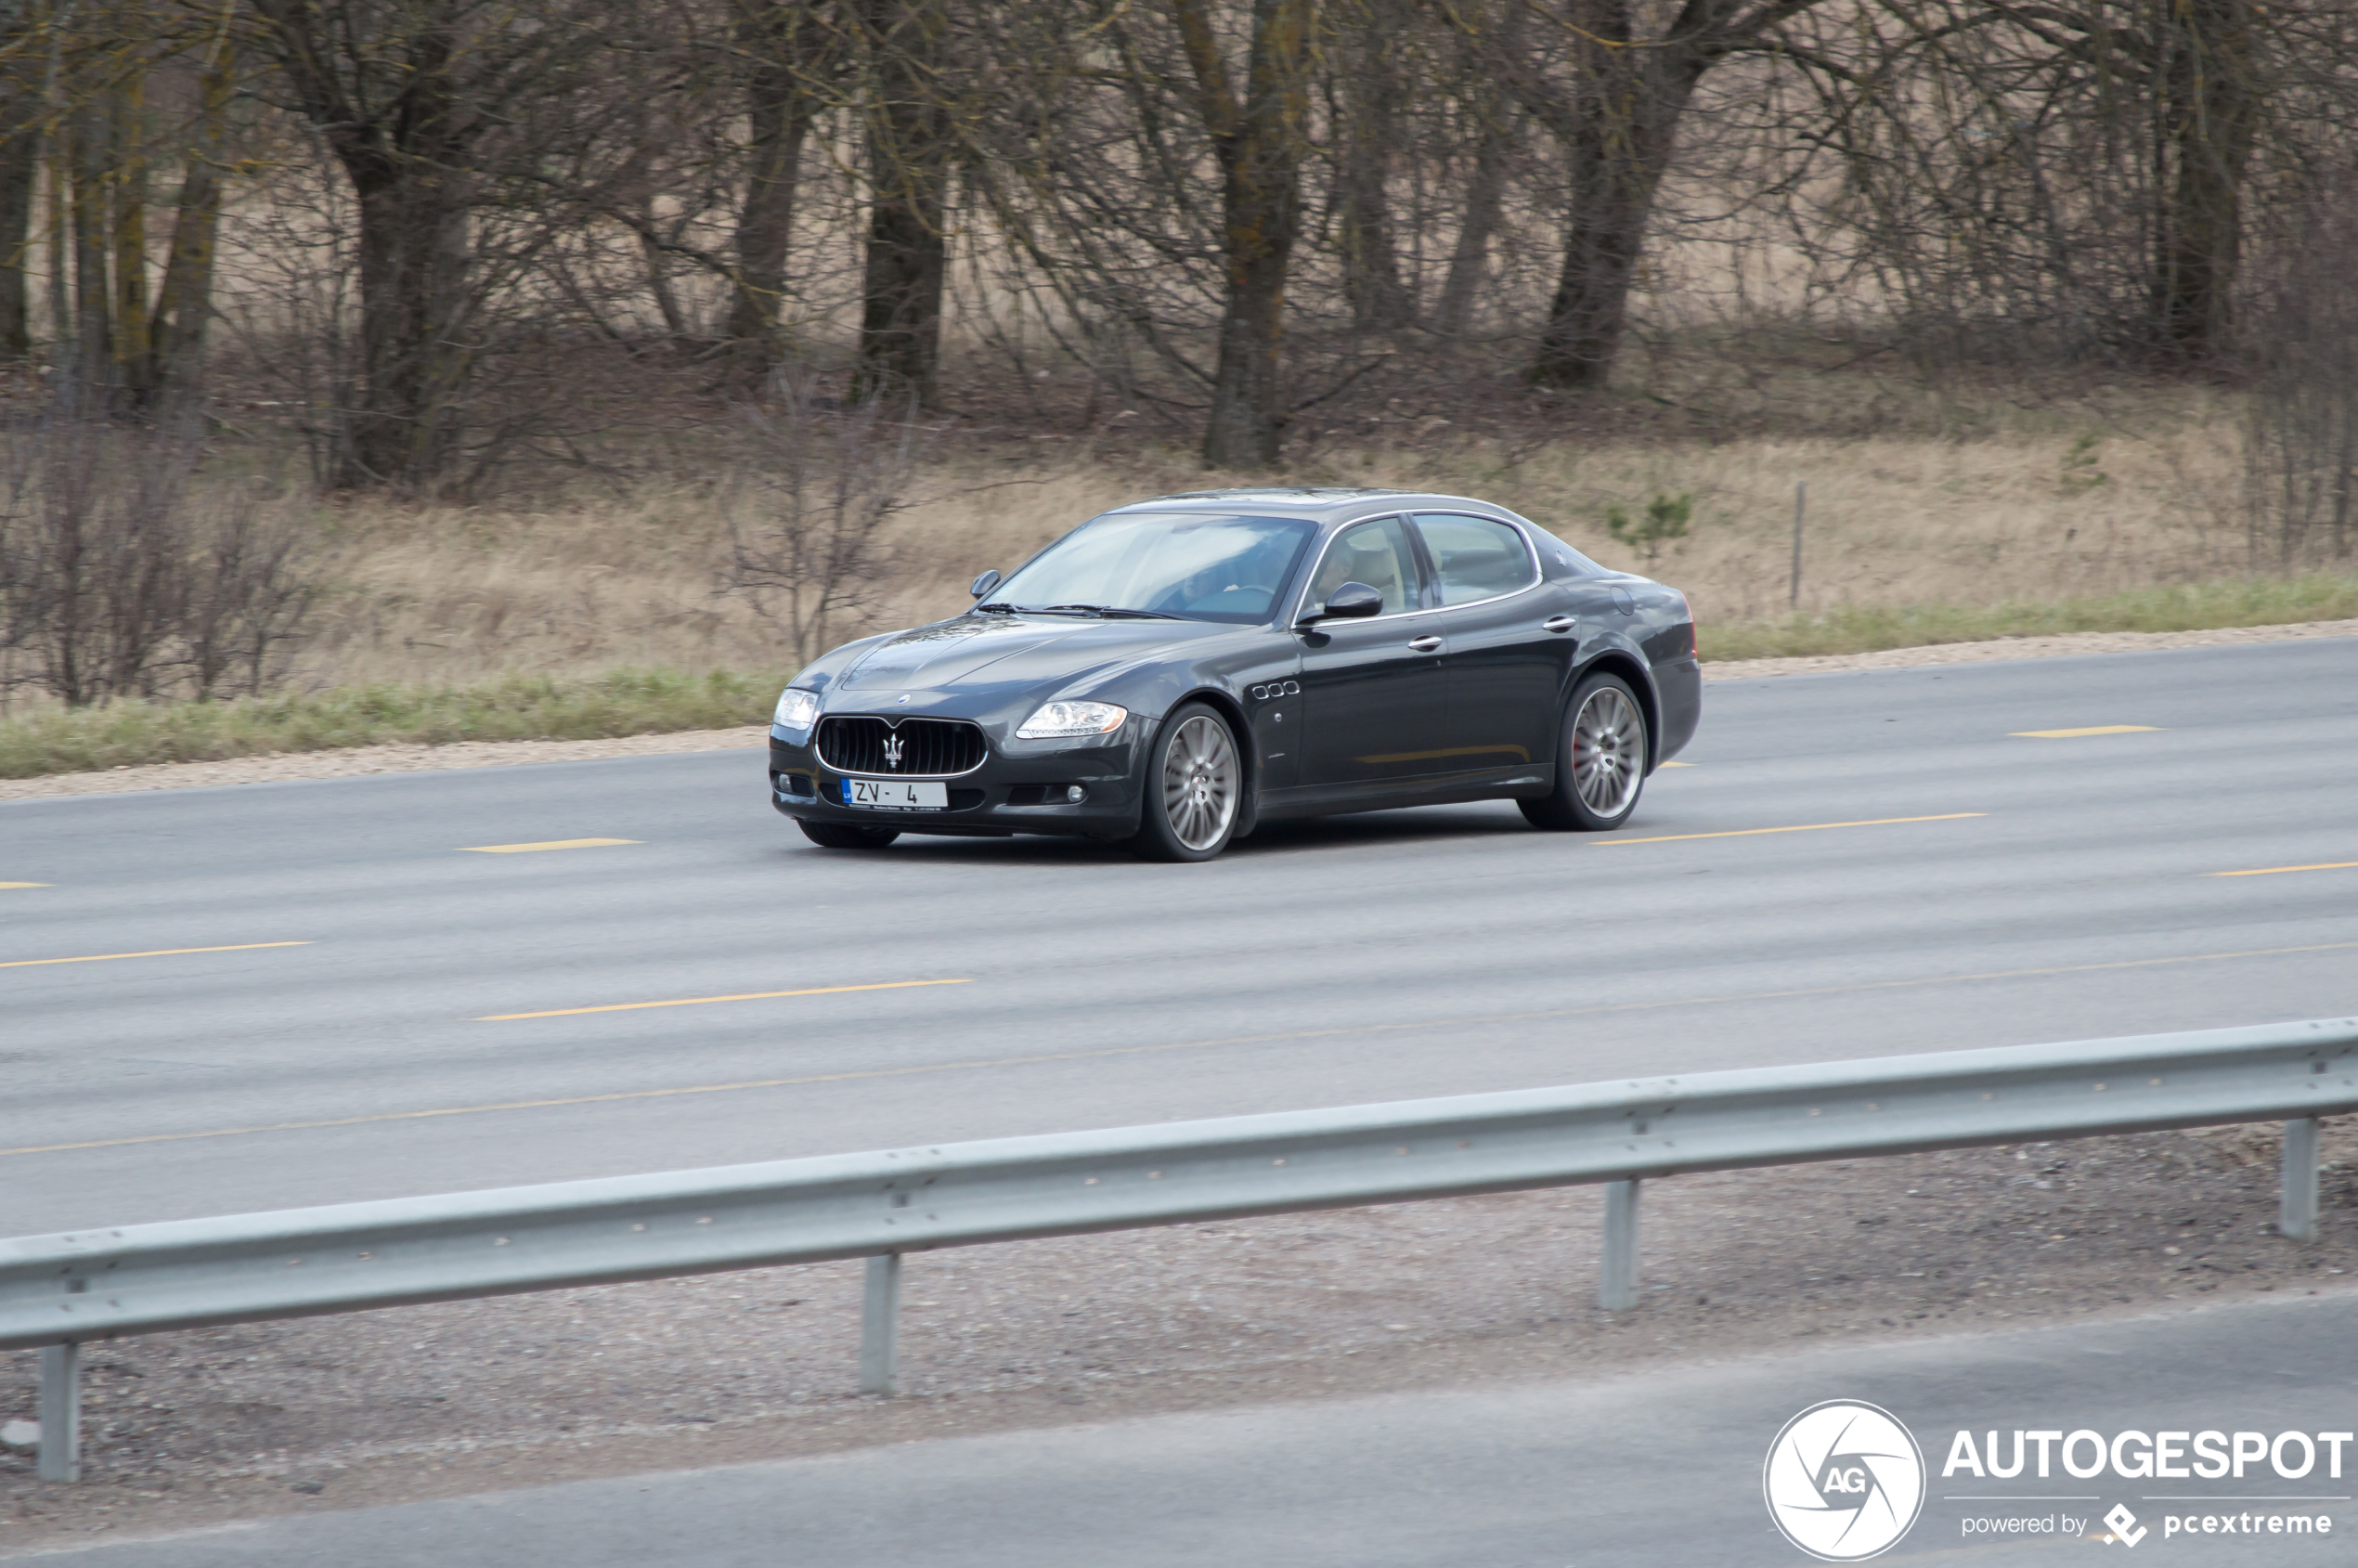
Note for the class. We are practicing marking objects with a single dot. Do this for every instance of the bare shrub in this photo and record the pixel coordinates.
(122, 575)
(2300, 439)
(806, 515)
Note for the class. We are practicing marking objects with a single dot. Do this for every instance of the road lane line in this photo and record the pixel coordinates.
(1160, 1048)
(2277, 870)
(548, 844)
(2090, 730)
(700, 1001)
(156, 952)
(1805, 827)
(23, 884)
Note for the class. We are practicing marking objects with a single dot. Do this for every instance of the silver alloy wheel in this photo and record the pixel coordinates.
(1607, 752)
(1200, 778)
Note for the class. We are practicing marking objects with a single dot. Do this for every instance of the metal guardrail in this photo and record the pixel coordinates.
(59, 1291)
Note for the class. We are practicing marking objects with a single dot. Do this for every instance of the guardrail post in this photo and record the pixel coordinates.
(2296, 1217)
(60, 1413)
(880, 1327)
(1618, 1290)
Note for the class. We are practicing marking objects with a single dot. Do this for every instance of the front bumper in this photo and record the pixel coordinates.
(1014, 791)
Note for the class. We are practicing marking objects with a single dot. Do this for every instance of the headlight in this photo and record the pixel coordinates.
(798, 709)
(1072, 719)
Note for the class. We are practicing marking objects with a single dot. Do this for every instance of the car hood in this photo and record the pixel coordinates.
(1011, 649)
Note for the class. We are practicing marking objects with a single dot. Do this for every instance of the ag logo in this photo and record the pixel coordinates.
(1844, 1480)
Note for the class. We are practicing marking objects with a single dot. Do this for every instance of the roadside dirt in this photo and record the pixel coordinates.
(362, 761)
(206, 1427)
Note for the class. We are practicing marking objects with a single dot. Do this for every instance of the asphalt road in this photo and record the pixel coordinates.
(1985, 887)
(1633, 1473)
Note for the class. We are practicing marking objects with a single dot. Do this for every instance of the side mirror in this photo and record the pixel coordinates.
(1350, 602)
(985, 583)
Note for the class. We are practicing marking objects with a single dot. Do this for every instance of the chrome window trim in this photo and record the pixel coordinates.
(1538, 580)
(1531, 554)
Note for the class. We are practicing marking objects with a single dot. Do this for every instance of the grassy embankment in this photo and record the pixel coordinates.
(588, 616)
(517, 708)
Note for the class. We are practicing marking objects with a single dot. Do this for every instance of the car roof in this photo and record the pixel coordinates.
(1320, 503)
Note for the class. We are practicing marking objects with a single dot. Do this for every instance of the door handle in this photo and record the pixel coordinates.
(1424, 645)
(1558, 622)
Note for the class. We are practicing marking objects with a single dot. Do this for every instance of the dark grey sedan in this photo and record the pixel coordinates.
(1175, 672)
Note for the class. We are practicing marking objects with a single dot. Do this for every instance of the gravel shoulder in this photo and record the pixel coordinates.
(209, 1427)
(364, 761)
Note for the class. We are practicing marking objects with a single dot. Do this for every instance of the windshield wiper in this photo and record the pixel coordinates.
(1102, 611)
(1110, 611)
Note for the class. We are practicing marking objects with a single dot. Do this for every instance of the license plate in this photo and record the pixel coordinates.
(896, 795)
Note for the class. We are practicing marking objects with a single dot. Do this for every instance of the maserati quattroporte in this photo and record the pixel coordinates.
(1174, 673)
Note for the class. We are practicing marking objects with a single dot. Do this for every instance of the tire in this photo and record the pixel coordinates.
(1195, 787)
(843, 836)
(1600, 760)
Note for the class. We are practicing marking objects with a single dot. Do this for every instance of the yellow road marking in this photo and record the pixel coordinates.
(700, 1001)
(1161, 1048)
(551, 844)
(1677, 764)
(23, 884)
(2274, 870)
(156, 952)
(1805, 827)
(2090, 729)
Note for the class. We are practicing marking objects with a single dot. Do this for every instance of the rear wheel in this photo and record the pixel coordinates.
(843, 836)
(1194, 784)
(1600, 761)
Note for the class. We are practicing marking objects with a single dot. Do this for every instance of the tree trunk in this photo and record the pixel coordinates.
(2210, 109)
(20, 172)
(909, 161)
(777, 36)
(1259, 141)
(131, 364)
(59, 235)
(1371, 93)
(93, 338)
(1470, 257)
(1618, 134)
(408, 162)
(183, 301)
(413, 269)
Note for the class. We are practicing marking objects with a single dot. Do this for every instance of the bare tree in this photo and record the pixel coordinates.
(805, 526)
(2300, 439)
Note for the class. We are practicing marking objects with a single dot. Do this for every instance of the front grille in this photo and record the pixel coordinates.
(925, 747)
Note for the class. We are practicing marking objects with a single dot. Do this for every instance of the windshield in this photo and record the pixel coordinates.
(1200, 566)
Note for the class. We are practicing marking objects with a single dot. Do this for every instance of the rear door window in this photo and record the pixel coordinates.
(1475, 557)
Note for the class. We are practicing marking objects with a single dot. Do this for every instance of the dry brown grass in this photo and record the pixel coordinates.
(612, 578)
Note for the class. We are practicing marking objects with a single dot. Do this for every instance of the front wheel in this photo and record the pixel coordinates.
(1600, 761)
(1195, 783)
(843, 836)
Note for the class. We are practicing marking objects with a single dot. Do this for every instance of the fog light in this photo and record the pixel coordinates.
(1075, 792)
